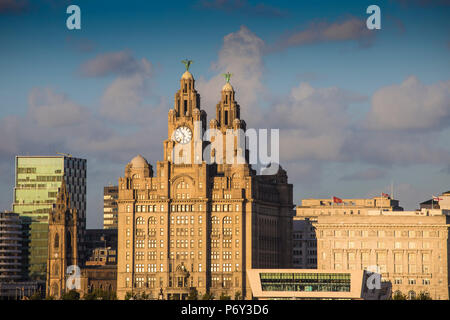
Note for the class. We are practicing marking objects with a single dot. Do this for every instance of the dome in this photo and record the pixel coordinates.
(187, 76)
(227, 87)
(139, 162)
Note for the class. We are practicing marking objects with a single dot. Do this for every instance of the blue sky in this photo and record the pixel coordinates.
(356, 108)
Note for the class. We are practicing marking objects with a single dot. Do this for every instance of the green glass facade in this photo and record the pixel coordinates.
(37, 183)
(306, 282)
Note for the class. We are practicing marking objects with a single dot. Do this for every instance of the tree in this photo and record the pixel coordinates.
(71, 295)
(129, 296)
(99, 294)
(36, 296)
(399, 296)
(193, 294)
(145, 296)
(423, 296)
(223, 296)
(237, 295)
(208, 296)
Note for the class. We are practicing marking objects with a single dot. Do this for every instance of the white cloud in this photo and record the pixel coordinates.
(50, 109)
(366, 174)
(118, 63)
(123, 100)
(350, 29)
(241, 54)
(411, 105)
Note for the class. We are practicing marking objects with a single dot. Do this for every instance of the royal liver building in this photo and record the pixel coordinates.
(196, 225)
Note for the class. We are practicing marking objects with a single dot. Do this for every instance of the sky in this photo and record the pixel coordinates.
(358, 109)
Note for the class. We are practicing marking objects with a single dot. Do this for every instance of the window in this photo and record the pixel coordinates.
(140, 220)
(139, 267)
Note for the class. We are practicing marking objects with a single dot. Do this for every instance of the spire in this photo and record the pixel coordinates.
(227, 110)
(63, 194)
(186, 99)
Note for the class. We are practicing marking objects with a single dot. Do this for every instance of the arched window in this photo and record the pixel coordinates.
(411, 295)
(56, 242)
(214, 220)
(227, 220)
(152, 220)
(140, 220)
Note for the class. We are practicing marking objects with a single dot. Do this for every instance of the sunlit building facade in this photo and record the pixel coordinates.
(198, 225)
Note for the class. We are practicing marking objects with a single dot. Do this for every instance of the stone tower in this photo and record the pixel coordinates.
(62, 244)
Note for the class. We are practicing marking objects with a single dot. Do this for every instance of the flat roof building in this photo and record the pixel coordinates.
(307, 284)
(353, 206)
(409, 248)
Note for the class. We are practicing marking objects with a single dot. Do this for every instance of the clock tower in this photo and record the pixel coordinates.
(186, 123)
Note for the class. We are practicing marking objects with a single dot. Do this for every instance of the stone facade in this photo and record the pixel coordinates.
(196, 224)
(64, 261)
(409, 249)
(353, 206)
(62, 245)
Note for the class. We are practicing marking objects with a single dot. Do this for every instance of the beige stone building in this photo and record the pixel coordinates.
(196, 224)
(354, 206)
(409, 248)
(304, 242)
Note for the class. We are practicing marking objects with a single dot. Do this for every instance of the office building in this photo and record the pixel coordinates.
(37, 180)
(110, 195)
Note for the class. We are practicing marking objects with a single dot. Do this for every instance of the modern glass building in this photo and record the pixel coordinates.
(299, 284)
(37, 180)
(110, 208)
(306, 282)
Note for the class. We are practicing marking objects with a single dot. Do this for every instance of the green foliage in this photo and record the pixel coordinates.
(223, 296)
(399, 296)
(193, 294)
(129, 296)
(99, 294)
(237, 295)
(137, 296)
(208, 296)
(36, 296)
(71, 295)
(423, 296)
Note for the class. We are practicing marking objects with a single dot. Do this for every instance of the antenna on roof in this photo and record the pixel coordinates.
(64, 154)
(392, 189)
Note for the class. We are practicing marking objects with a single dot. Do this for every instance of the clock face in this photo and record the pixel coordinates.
(183, 135)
